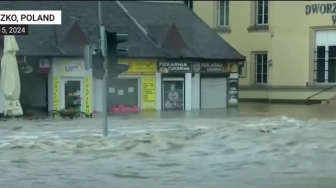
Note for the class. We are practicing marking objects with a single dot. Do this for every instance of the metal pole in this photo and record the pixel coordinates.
(100, 21)
(102, 42)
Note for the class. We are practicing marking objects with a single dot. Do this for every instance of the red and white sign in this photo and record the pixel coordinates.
(44, 65)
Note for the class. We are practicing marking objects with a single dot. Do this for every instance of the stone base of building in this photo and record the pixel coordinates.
(282, 101)
(287, 96)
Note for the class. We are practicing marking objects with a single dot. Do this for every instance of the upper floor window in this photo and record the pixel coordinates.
(262, 12)
(223, 13)
(261, 68)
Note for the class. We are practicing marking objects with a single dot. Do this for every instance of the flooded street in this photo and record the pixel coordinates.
(254, 146)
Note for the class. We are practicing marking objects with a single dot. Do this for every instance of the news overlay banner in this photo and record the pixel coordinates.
(30, 17)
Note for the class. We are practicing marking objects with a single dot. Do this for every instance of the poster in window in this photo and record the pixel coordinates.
(173, 98)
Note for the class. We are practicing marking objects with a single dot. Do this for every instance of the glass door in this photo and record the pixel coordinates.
(72, 94)
(173, 95)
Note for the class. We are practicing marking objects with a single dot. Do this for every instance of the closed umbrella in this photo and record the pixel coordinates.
(2, 99)
(10, 78)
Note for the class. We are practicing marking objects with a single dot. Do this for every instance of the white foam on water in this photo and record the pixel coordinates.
(96, 134)
(282, 120)
(4, 144)
(18, 137)
(76, 131)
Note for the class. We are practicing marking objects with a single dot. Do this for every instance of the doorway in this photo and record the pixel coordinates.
(173, 94)
(34, 87)
(73, 94)
(214, 92)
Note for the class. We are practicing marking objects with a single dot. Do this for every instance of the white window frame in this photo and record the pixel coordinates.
(224, 10)
(327, 41)
(262, 66)
(263, 13)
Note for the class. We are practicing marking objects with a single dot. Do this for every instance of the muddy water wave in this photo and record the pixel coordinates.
(238, 151)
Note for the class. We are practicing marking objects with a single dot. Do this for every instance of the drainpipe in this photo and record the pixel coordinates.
(270, 65)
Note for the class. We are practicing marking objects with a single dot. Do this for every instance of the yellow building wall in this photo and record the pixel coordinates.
(289, 42)
(239, 37)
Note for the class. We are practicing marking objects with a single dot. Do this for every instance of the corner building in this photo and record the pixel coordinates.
(290, 46)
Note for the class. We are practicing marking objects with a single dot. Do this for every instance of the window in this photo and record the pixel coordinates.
(325, 64)
(223, 14)
(262, 12)
(261, 68)
(325, 57)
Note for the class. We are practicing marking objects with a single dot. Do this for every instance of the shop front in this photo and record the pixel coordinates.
(71, 85)
(175, 83)
(218, 84)
(134, 89)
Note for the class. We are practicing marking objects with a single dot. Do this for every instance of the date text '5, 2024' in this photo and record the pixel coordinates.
(13, 29)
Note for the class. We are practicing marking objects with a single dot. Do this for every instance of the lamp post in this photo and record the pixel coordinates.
(102, 43)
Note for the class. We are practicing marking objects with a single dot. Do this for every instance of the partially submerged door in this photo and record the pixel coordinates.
(213, 93)
(73, 94)
(173, 94)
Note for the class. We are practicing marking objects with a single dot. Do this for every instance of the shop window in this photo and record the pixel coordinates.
(223, 13)
(123, 92)
(261, 68)
(325, 57)
(261, 12)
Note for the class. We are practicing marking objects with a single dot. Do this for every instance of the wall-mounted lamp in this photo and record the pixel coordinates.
(241, 64)
(27, 69)
(241, 69)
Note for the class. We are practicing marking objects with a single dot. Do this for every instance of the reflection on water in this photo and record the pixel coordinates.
(254, 146)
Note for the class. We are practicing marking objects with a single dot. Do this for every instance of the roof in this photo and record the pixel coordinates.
(42, 40)
(169, 39)
(202, 40)
(132, 17)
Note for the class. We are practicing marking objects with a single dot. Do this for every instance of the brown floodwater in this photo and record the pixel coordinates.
(253, 146)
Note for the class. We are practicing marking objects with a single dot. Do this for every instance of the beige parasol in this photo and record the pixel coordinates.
(10, 78)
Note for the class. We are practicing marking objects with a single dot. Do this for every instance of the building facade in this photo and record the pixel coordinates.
(171, 84)
(194, 85)
(149, 84)
(158, 39)
(68, 79)
(135, 87)
(290, 46)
